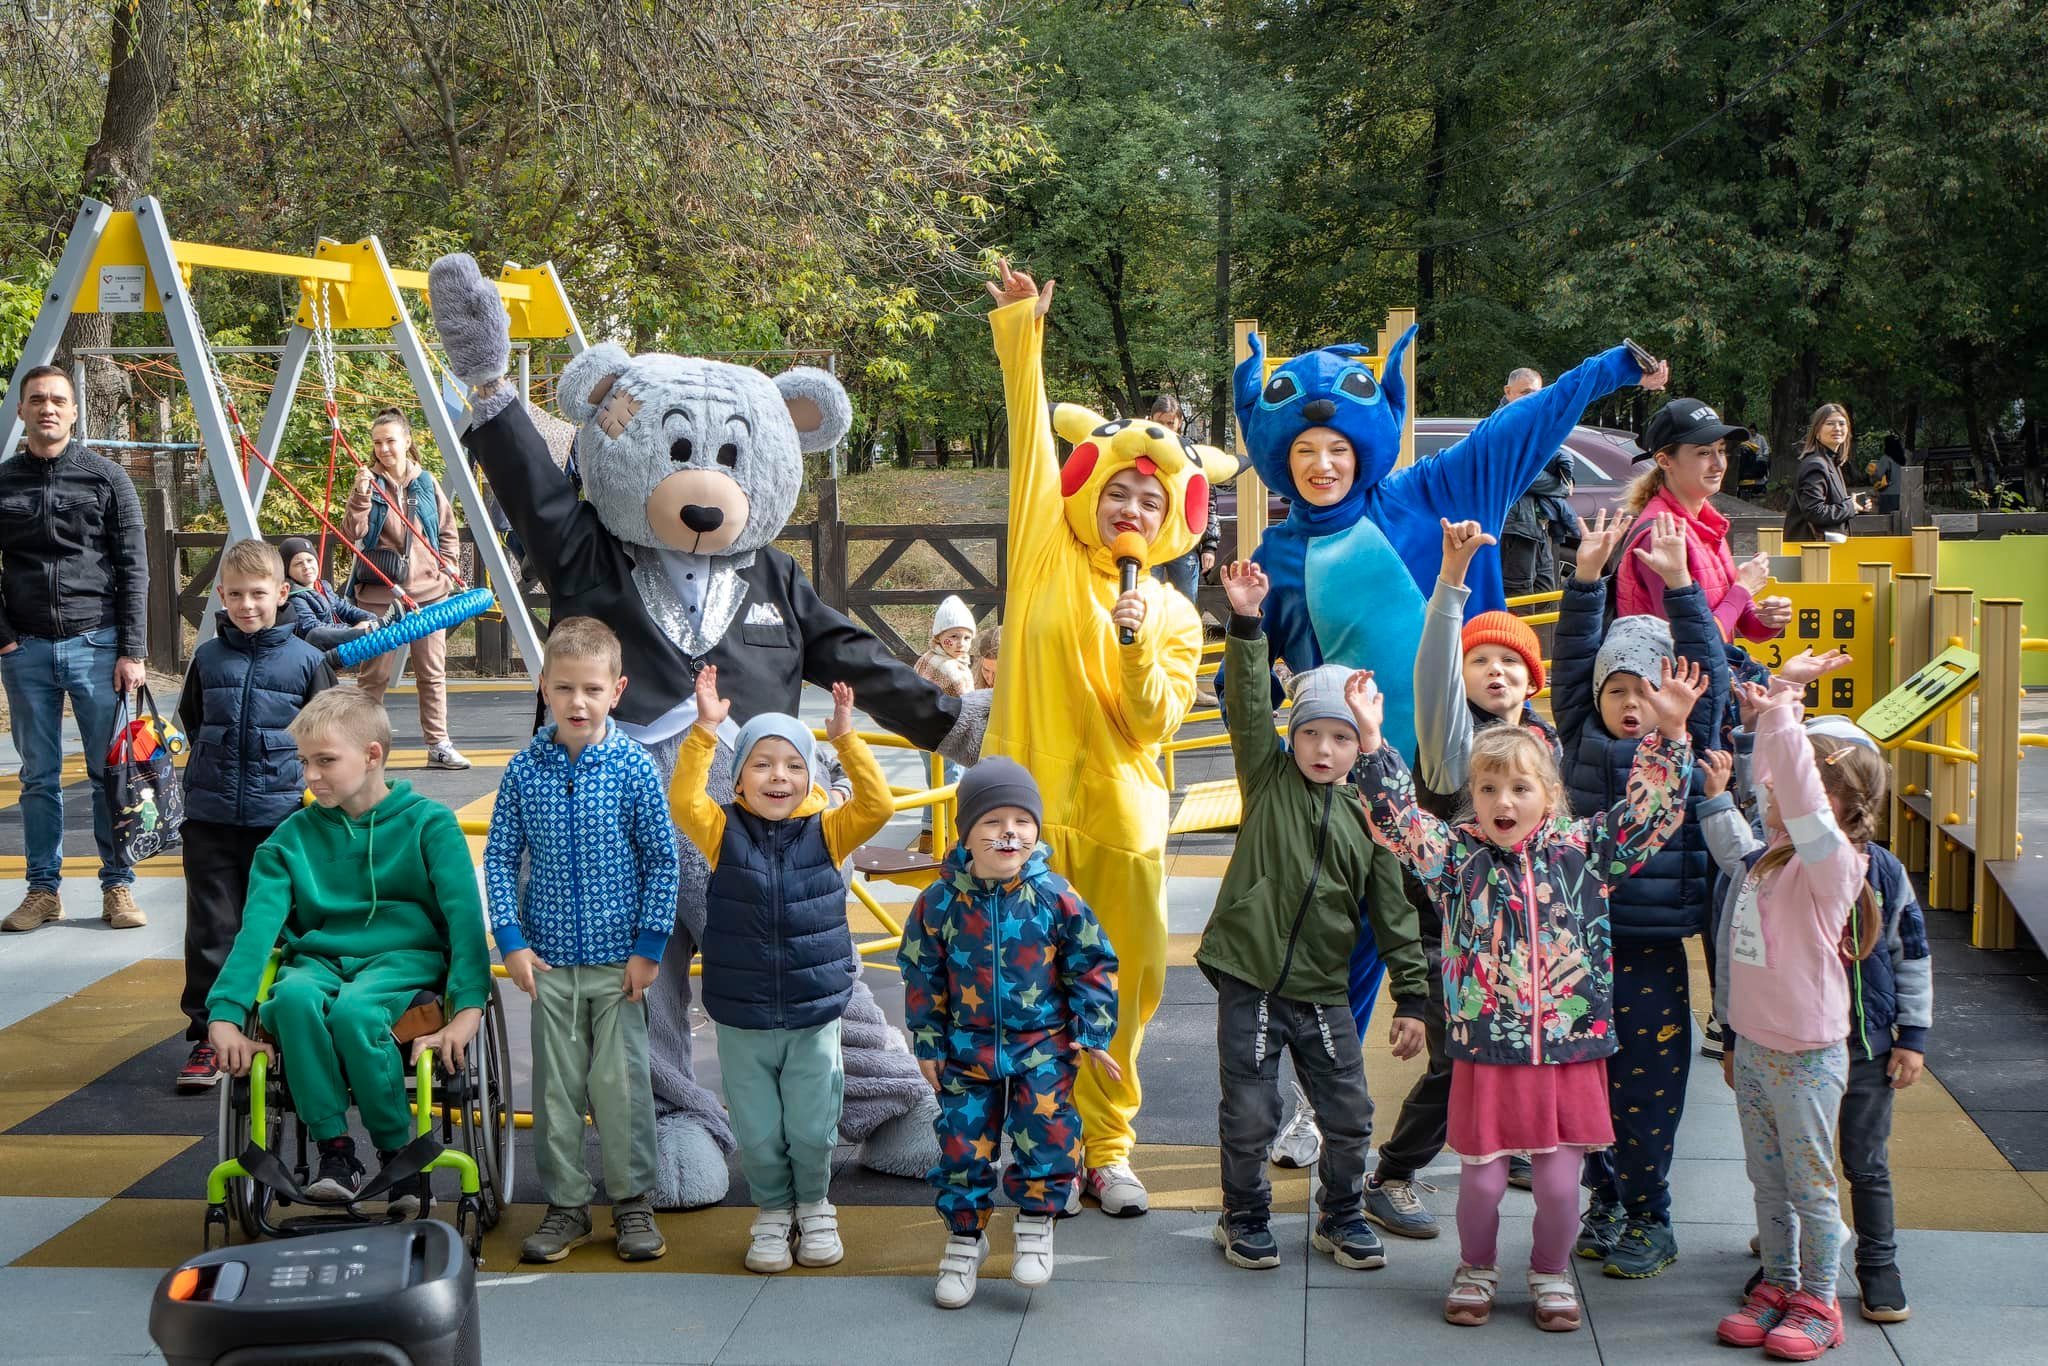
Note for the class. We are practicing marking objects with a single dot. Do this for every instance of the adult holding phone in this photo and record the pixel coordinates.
(1822, 506)
(402, 522)
(1687, 447)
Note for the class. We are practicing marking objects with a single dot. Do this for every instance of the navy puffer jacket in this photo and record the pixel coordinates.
(242, 691)
(777, 950)
(1671, 896)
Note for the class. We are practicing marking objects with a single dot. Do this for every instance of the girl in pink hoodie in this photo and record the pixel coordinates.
(1786, 925)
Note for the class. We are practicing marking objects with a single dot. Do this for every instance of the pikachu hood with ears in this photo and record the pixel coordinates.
(1084, 713)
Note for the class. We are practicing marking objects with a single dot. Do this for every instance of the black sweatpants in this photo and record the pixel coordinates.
(1646, 1077)
(217, 860)
(1424, 1121)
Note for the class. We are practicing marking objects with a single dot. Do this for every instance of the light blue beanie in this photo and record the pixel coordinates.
(783, 727)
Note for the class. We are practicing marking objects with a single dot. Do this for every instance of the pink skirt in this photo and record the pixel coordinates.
(1498, 1109)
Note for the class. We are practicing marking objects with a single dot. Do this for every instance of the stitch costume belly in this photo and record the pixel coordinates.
(1083, 713)
(1350, 581)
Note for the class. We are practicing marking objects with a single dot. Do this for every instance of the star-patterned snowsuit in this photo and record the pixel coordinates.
(1002, 984)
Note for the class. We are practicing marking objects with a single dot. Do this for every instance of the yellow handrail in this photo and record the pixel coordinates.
(1953, 753)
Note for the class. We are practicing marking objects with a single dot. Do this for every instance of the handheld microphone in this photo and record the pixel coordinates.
(1129, 549)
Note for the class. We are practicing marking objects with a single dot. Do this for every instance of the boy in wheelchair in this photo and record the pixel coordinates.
(371, 897)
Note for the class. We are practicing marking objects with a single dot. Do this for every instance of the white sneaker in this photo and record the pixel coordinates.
(768, 1241)
(817, 1235)
(1074, 1205)
(958, 1268)
(1118, 1190)
(1033, 1262)
(1300, 1143)
(445, 755)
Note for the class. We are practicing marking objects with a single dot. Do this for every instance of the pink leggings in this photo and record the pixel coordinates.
(1480, 1188)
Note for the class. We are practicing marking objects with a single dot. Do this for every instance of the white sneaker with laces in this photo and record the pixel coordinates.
(817, 1235)
(1300, 1143)
(445, 755)
(1033, 1262)
(958, 1268)
(768, 1241)
(1118, 1190)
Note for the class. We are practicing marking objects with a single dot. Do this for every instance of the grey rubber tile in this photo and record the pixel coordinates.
(1161, 1325)
(883, 1320)
(546, 1319)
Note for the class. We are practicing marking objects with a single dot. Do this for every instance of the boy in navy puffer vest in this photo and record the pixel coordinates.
(779, 964)
(241, 692)
(1601, 682)
(322, 617)
(580, 813)
(1008, 979)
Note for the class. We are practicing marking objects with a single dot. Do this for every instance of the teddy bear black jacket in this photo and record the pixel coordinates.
(762, 664)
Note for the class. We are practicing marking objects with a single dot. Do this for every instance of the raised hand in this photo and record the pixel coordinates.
(1368, 709)
(1804, 667)
(711, 708)
(1597, 542)
(1717, 767)
(841, 723)
(1014, 286)
(1749, 702)
(1462, 540)
(1666, 555)
(1656, 379)
(1246, 585)
(1677, 690)
(1754, 572)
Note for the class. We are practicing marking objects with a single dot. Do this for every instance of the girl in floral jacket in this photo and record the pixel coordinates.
(1528, 969)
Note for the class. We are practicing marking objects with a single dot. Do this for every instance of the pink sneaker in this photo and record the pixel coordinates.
(1751, 1324)
(1811, 1325)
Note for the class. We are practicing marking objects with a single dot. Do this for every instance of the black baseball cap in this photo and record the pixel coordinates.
(1687, 422)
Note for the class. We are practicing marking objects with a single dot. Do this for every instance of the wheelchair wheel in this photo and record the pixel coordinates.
(249, 1201)
(491, 1136)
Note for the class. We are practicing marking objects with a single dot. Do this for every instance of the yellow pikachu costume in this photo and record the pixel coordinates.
(1084, 714)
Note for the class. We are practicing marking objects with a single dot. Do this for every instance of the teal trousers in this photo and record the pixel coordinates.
(783, 1088)
(590, 1055)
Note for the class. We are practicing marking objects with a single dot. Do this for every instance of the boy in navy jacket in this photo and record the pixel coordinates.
(581, 808)
(322, 617)
(1007, 980)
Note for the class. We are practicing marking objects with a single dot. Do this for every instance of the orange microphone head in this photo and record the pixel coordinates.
(1130, 545)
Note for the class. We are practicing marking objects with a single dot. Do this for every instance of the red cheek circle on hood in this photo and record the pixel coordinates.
(1197, 502)
(1079, 466)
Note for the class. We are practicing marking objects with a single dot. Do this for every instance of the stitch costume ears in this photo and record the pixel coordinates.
(1103, 449)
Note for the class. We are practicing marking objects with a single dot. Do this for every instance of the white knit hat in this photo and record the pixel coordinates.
(953, 615)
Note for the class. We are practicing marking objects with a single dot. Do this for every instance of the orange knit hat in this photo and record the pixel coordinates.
(1505, 628)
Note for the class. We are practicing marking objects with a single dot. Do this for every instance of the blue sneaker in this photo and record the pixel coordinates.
(1350, 1240)
(1396, 1207)
(1644, 1249)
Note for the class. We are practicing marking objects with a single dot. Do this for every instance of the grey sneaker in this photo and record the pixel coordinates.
(1299, 1143)
(40, 907)
(1118, 1190)
(1599, 1227)
(633, 1225)
(1521, 1173)
(445, 755)
(562, 1230)
(1646, 1247)
(1396, 1207)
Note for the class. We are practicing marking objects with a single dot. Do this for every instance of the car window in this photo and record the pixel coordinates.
(1435, 443)
(1586, 474)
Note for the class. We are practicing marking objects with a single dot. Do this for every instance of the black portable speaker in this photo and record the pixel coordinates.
(387, 1295)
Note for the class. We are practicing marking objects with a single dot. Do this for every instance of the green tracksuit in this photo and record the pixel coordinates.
(369, 911)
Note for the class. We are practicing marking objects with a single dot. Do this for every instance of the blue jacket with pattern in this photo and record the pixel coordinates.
(599, 850)
(1056, 967)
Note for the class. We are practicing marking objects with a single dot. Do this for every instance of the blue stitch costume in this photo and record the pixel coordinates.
(1350, 582)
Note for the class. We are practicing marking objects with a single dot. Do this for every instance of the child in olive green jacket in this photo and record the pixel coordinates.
(1278, 945)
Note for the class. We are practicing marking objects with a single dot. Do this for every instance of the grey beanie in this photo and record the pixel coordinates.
(1318, 695)
(997, 782)
(1633, 646)
(782, 726)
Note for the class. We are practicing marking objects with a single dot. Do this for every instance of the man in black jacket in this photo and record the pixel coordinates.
(74, 581)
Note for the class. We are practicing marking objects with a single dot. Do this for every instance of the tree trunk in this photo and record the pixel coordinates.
(1425, 260)
(117, 169)
(1791, 405)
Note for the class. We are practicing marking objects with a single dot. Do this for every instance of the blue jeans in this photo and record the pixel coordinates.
(39, 676)
(1184, 573)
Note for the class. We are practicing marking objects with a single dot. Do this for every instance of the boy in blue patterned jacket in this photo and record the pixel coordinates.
(582, 808)
(1007, 979)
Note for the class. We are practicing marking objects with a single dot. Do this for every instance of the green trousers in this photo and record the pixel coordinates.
(783, 1088)
(590, 1055)
(332, 1019)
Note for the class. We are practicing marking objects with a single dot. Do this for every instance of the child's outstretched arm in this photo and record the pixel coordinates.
(859, 820)
(1828, 869)
(1443, 723)
(1654, 808)
(927, 982)
(1581, 626)
(1087, 973)
(1255, 747)
(700, 819)
(1386, 794)
(1729, 839)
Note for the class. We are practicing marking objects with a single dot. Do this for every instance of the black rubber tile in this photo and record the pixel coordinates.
(2021, 1135)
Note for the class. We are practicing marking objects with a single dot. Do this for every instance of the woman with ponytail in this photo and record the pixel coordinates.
(402, 522)
(1795, 907)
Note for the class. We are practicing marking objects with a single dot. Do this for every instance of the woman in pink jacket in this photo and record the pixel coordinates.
(1795, 908)
(1688, 443)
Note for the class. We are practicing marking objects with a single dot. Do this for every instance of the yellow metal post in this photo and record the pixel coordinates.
(1912, 646)
(1771, 540)
(1998, 767)
(1816, 563)
(1251, 490)
(1948, 783)
(1878, 576)
(1927, 550)
(1399, 320)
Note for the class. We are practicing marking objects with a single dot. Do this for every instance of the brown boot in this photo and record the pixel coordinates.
(118, 909)
(38, 908)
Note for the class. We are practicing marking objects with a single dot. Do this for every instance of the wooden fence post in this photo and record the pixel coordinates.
(1912, 501)
(164, 626)
(828, 566)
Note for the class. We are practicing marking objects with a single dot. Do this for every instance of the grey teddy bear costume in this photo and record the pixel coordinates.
(691, 468)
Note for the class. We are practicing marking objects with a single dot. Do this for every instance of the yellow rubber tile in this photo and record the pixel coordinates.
(1926, 1144)
(127, 1233)
(1198, 865)
(482, 758)
(880, 1240)
(1188, 1178)
(1970, 1201)
(83, 1164)
(86, 868)
(1208, 806)
(2038, 1180)
(61, 1048)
